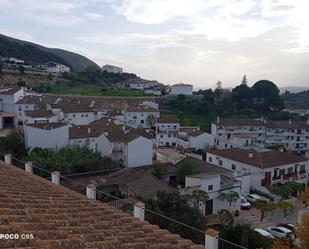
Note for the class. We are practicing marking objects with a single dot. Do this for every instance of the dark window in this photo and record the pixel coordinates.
(210, 159)
(233, 167)
(210, 187)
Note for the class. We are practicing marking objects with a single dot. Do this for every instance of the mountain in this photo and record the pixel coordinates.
(36, 54)
(293, 89)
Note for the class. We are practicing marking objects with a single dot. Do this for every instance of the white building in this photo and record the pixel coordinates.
(167, 128)
(77, 114)
(213, 180)
(92, 137)
(181, 88)
(194, 138)
(225, 129)
(266, 168)
(136, 116)
(46, 116)
(112, 69)
(16, 61)
(54, 67)
(129, 148)
(9, 96)
(46, 135)
(291, 135)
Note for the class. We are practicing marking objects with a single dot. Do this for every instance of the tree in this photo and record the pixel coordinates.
(287, 208)
(196, 197)
(231, 197)
(21, 83)
(183, 170)
(150, 120)
(244, 80)
(21, 69)
(267, 95)
(158, 170)
(13, 144)
(69, 160)
(175, 206)
(49, 76)
(304, 196)
(265, 208)
(303, 232)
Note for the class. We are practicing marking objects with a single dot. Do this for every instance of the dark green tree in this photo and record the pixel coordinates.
(231, 197)
(183, 170)
(21, 69)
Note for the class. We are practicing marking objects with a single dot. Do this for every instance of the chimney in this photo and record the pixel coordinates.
(89, 130)
(250, 155)
(290, 121)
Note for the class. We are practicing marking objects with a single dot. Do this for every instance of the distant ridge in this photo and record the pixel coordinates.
(34, 53)
(293, 89)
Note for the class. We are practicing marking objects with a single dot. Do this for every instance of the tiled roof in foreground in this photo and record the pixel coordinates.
(62, 219)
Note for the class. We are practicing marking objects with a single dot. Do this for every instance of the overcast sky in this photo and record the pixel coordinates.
(191, 41)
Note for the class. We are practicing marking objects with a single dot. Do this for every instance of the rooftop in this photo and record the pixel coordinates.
(40, 114)
(60, 218)
(240, 122)
(264, 159)
(47, 126)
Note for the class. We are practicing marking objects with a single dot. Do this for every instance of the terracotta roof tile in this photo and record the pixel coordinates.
(266, 159)
(47, 126)
(62, 219)
(40, 114)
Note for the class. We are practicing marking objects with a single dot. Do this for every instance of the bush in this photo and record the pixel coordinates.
(69, 160)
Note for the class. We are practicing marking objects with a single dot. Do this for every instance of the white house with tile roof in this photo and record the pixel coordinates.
(9, 96)
(266, 167)
(46, 135)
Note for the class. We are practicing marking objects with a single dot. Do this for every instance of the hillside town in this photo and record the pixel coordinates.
(135, 124)
(244, 157)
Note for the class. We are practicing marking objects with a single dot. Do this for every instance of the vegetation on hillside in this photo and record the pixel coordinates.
(296, 100)
(262, 99)
(29, 53)
(37, 54)
(13, 144)
(86, 90)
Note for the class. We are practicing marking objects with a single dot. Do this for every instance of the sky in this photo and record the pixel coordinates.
(197, 42)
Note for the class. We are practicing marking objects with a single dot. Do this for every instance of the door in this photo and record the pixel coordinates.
(208, 207)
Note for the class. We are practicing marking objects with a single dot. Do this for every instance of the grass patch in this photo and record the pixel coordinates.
(204, 121)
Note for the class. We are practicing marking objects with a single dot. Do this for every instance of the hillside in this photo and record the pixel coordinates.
(297, 100)
(36, 54)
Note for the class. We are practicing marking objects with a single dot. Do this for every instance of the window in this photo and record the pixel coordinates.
(233, 167)
(74, 115)
(27, 107)
(220, 162)
(210, 159)
(210, 187)
(82, 115)
(19, 108)
(142, 121)
(86, 115)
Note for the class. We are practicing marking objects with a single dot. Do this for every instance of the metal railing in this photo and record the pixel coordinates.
(197, 236)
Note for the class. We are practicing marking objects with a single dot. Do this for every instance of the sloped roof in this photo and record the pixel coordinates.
(9, 90)
(200, 166)
(240, 122)
(265, 159)
(285, 124)
(47, 126)
(62, 219)
(40, 114)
